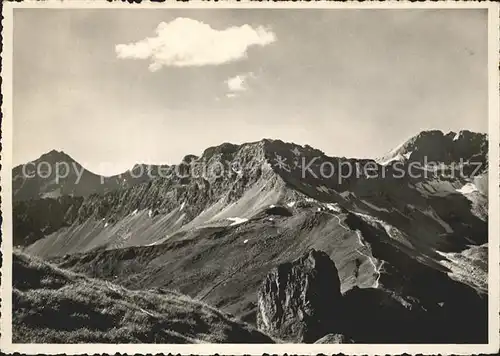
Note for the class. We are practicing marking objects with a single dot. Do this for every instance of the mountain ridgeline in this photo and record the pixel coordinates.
(228, 227)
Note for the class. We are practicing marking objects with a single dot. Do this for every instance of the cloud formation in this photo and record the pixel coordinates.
(186, 42)
(238, 82)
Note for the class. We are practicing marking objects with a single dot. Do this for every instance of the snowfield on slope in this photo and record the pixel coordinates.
(333, 207)
(468, 189)
(237, 221)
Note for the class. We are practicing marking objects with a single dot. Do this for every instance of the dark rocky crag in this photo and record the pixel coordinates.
(300, 301)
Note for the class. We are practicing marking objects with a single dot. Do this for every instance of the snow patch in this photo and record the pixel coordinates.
(468, 189)
(457, 136)
(323, 189)
(346, 194)
(182, 206)
(333, 207)
(106, 225)
(237, 221)
(394, 155)
(291, 204)
(398, 157)
(135, 211)
(430, 213)
(245, 241)
(390, 230)
(272, 206)
(180, 219)
(397, 148)
(310, 200)
(360, 239)
(374, 206)
(150, 213)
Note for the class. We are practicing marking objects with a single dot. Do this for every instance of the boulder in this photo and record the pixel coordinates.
(298, 301)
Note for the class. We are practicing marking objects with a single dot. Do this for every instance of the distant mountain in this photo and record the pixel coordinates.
(436, 147)
(56, 174)
(214, 225)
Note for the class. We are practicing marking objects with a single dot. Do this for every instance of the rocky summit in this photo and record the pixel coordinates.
(280, 237)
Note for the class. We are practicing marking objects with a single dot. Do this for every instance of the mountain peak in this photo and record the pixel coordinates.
(437, 146)
(54, 156)
(225, 149)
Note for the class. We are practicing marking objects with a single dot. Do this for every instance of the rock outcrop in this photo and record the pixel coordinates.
(301, 302)
(334, 339)
(298, 301)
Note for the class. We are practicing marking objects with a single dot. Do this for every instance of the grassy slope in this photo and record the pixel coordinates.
(51, 305)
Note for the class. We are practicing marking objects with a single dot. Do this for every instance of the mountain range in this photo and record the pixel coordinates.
(406, 235)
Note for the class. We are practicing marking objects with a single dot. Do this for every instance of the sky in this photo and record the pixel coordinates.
(113, 88)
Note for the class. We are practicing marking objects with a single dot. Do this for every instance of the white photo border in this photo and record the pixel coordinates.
(254, 349)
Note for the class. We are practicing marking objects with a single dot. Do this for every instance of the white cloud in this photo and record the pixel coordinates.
(236, 83)
(186, 42)
(239, 82)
